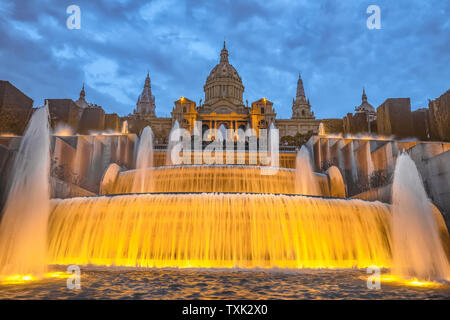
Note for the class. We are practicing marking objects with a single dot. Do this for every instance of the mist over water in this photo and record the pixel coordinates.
(23, 228)
(417, 247)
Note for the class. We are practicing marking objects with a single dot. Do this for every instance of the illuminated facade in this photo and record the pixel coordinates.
(224, 106)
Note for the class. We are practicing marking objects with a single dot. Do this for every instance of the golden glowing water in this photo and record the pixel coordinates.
(217, 178)
(219, 230)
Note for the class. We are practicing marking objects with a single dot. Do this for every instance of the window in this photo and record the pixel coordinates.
(262, 110)
(184, 109)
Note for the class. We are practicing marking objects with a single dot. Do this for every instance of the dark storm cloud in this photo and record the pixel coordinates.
(179, 42)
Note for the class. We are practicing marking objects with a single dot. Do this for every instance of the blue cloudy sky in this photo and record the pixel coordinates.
(269, 43)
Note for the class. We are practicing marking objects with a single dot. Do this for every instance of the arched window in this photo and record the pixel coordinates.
(303, 113)
(184, 109)
(262, 110)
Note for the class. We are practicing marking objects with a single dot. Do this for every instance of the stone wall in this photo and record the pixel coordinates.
(333, 125)
(92, 119)
(290, 127)
(15, 109)
(357, 123)
(6, 164)
(63, 111)
(160, 126)
(440, 117)
(394, 118)
(112, 122)
(136, 125)
(420, 120)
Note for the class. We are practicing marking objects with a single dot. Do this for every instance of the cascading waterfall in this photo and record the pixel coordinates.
(217, 178)
(305, 181)
(77, 164)
(174, 137)
(341, 163)
(219, 230)
(23, 228)
(124, 129)
(370, 166)
(119, 150)
(321, 129)
(417, 247)
(95, 167)
(143, 175)
(353, 163)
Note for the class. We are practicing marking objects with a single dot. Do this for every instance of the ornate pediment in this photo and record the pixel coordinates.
(223, 106)
(223, 110)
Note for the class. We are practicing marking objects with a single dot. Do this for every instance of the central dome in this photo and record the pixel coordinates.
(223, 82)
(224, 69)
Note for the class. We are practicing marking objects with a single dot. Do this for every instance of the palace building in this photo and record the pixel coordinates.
(223, 105)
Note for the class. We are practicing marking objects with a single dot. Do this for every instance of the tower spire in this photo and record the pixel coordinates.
(145, 104)
(364, 96)
(82, 93)
(224, 54)
(301, 108)
(300, 89)
(147, 80)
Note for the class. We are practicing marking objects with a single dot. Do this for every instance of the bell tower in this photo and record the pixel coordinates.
(301, 108)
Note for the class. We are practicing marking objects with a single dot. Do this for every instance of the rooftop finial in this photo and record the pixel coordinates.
(364, 96)
(224, 54)
(300, 89)
(147, 80)
(82, 93)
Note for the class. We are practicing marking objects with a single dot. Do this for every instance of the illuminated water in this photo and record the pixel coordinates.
(219, 178)
(114, 283)
(23, 228)
(143, 175)
(370, 165)
(219, 230)
(417, 247)
(124, 128)
(232, 241)
(174, 137)
(305, 181)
